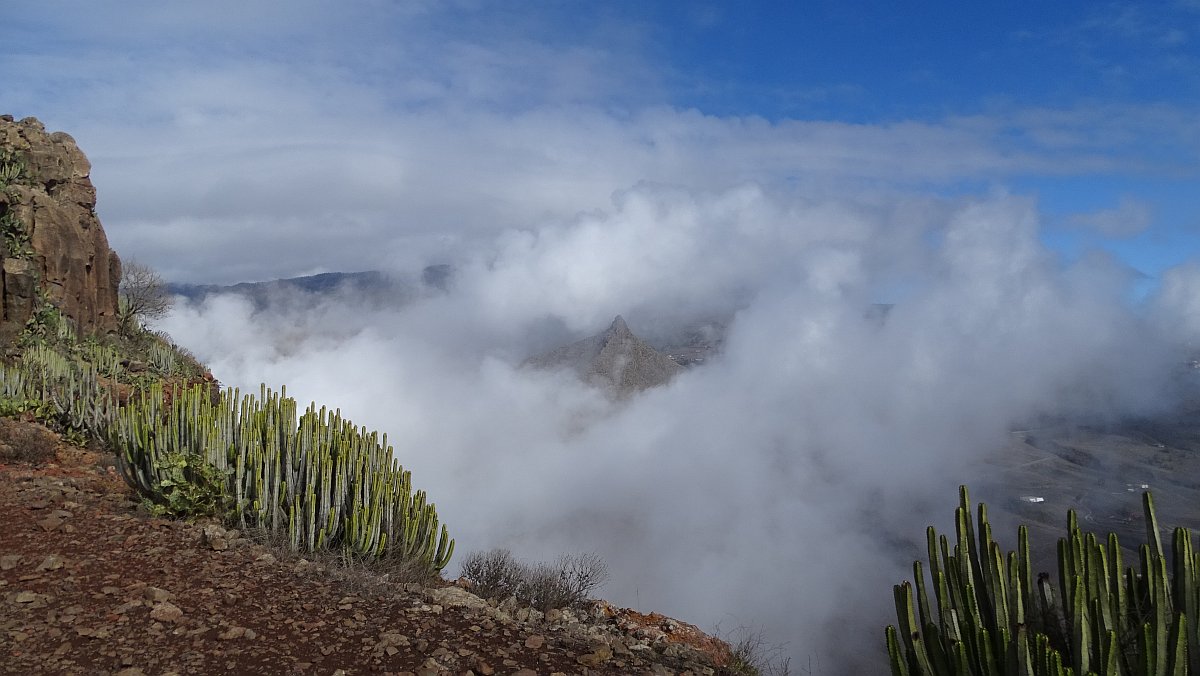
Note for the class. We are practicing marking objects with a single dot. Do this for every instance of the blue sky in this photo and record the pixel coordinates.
(873, 61)
(433, 125)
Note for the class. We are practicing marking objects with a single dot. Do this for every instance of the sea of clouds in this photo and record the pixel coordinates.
(785, 483)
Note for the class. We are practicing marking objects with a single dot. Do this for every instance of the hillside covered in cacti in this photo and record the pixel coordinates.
(188, 448)
(989, 616)
(191, 450)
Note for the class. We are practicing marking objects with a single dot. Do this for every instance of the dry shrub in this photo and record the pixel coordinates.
(493, 574)
(752, 655)
(566, 584)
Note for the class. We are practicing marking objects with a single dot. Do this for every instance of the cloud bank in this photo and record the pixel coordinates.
(230, 143)
(785, 483)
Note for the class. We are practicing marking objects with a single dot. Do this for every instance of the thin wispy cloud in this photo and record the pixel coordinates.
(1128, 218)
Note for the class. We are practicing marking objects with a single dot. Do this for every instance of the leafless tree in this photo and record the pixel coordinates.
(143, 296)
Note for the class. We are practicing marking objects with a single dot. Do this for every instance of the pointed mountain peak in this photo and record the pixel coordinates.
(619, 326)
(615, 360)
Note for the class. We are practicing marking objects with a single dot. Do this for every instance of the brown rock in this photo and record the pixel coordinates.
(71, 261)
(156, 595)
(52, 562)
(50, 523)
(452, 597)
(166, 612)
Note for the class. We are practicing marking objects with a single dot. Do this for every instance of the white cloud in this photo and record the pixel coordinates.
(426, 131)
(815, 431)
(1127, 219)
(1177, 302)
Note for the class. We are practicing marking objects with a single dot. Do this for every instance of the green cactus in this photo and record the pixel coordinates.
(1105, 619)
(315, 478)
(68, 393)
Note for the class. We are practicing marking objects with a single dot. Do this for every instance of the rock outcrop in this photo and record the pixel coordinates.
(615, 360)
(53, 243)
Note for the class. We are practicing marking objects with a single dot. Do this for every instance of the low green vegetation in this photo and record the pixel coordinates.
(989, 616)
(13, 168)
(13, 232)
(16, 238)
(191, 450)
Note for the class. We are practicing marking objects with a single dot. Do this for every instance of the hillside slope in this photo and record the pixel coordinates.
(91, 585)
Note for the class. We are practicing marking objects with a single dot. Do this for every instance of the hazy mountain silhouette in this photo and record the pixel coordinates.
(615, 360)
(371, 285)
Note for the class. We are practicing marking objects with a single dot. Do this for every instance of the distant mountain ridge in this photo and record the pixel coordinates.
(614, 360)
(369, 284)
(684, 345)
(319, 283)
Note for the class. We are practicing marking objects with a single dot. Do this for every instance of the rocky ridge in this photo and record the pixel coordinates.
(54, 243)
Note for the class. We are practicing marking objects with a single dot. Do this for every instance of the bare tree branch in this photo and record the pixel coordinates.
(143, 296)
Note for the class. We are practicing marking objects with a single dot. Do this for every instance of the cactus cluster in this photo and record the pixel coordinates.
(68, 391)
(106, 358)
(314, 478)
(162, 357)
(1101, 617)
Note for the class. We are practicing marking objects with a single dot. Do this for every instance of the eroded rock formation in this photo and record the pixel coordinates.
(53, 242)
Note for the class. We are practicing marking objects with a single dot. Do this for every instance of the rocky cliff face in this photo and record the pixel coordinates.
(53, 244)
